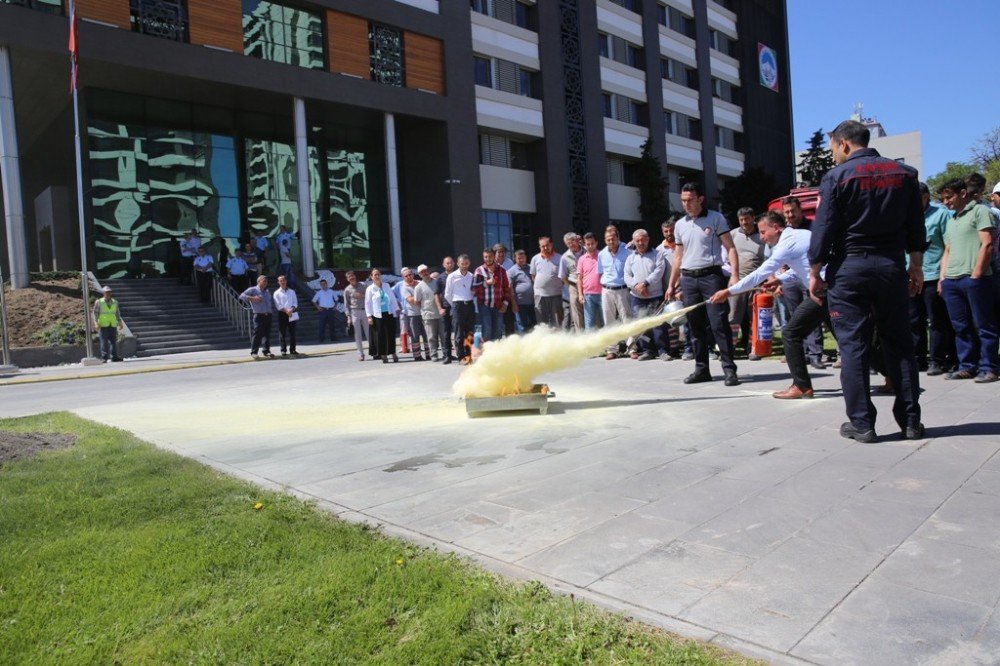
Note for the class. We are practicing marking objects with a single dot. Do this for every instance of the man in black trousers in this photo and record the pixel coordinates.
(870, 214)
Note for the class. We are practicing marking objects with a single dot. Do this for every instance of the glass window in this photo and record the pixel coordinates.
(607, 106)
(480, 6)
(282, 34)
(668, 122)
(484, 72)
(633, 57)
(691, 78)
(681, 22)
(524, 16)
(666, 68)
(498, 227)
(160, 18)
(602, 45)
(47, 6)
(385, 46)
(661, 14)
(527, 83)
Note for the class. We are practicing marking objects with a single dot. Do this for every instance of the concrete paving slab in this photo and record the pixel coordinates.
(684, 506)
(884, 623)
(960, 572)
(779, 599)
(672, 578)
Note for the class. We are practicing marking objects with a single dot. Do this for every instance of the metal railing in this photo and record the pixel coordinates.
(227, 301)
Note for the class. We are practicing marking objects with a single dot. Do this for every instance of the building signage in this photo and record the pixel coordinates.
(767, 61)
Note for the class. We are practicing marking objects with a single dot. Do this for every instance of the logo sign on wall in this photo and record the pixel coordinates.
(767, 60)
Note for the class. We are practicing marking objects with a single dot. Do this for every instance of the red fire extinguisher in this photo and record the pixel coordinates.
(762, 323)
(404, 342)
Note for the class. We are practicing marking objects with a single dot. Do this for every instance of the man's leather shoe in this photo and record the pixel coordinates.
(913, 431)
(647, 356)
(793, 392)
(446, 361)
(849, 431)
(732, 379)
(818, 365)
(933, 370)
(698, 378)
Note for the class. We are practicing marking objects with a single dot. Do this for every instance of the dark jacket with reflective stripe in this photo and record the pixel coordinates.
(868, 204)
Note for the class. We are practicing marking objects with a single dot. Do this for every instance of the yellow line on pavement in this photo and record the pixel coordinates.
(14, 381)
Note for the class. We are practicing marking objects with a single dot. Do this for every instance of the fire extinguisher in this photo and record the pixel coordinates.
(762, 324)
(404, 342)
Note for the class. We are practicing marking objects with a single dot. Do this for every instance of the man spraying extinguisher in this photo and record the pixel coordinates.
(789, 247)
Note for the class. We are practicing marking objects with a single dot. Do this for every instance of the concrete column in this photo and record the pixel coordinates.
(10, 178)
(392, 182)
(305, 197)
(705, 104)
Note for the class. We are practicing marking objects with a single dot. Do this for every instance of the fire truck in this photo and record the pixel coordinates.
(808, 197)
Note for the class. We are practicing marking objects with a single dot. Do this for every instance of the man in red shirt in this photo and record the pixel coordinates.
(492, 289)
(590, 283)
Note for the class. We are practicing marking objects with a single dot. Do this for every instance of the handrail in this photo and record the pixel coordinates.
(227, 301)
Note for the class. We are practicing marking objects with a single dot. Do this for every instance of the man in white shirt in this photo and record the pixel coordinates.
(286, 302)
(189, 250)
(458, 292)
(237, 269)
(204, 270)
(325, 301)
(789, 247)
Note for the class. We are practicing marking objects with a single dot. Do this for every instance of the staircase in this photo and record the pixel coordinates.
(167, 318)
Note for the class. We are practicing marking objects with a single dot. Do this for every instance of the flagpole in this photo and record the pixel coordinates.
(90, 359)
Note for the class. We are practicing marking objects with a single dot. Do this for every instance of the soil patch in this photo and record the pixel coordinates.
(41, 305)
(20, 445)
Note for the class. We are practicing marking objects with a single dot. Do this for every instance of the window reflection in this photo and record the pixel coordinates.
(282, 34)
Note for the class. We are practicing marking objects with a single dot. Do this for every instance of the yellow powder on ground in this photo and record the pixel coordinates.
(510, 365)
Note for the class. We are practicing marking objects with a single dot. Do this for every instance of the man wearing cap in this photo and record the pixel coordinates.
(325, 301)
(108, 322)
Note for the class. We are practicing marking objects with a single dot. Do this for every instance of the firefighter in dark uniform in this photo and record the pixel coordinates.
(869, 216)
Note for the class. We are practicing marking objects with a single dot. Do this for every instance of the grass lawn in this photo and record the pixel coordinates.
(115, 552)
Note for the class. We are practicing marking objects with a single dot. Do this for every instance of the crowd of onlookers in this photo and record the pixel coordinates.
(440, 315)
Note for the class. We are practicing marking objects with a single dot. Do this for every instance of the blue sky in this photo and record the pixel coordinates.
(920, 65)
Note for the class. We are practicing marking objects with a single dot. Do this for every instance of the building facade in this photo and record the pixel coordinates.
(382, 132)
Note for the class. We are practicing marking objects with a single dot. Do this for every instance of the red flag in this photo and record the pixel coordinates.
(74, 67)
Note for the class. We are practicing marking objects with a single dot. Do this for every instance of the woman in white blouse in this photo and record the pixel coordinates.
(382, 307)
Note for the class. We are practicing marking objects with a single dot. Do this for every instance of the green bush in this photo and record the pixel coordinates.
(62, 333)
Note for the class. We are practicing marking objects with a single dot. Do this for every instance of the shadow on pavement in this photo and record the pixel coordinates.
(563, 407)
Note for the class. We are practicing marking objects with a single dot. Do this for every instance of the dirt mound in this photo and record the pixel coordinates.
(20, 445)
(41, 305)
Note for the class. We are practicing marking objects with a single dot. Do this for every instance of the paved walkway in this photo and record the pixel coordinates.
(717, 513)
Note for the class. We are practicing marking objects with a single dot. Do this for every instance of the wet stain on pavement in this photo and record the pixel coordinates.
(416, 462)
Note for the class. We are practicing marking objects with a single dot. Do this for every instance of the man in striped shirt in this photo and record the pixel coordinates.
(492, 288)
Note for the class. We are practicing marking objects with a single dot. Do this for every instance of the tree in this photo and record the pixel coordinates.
(986, 156)
(755, 187)
(816, 161)
(653, 206)
(951, 171)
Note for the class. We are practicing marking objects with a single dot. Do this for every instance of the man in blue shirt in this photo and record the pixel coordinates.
(927, 307)
(869, 216)
(615, 303)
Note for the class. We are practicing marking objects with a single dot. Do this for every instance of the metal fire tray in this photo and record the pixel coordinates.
(536, 398)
